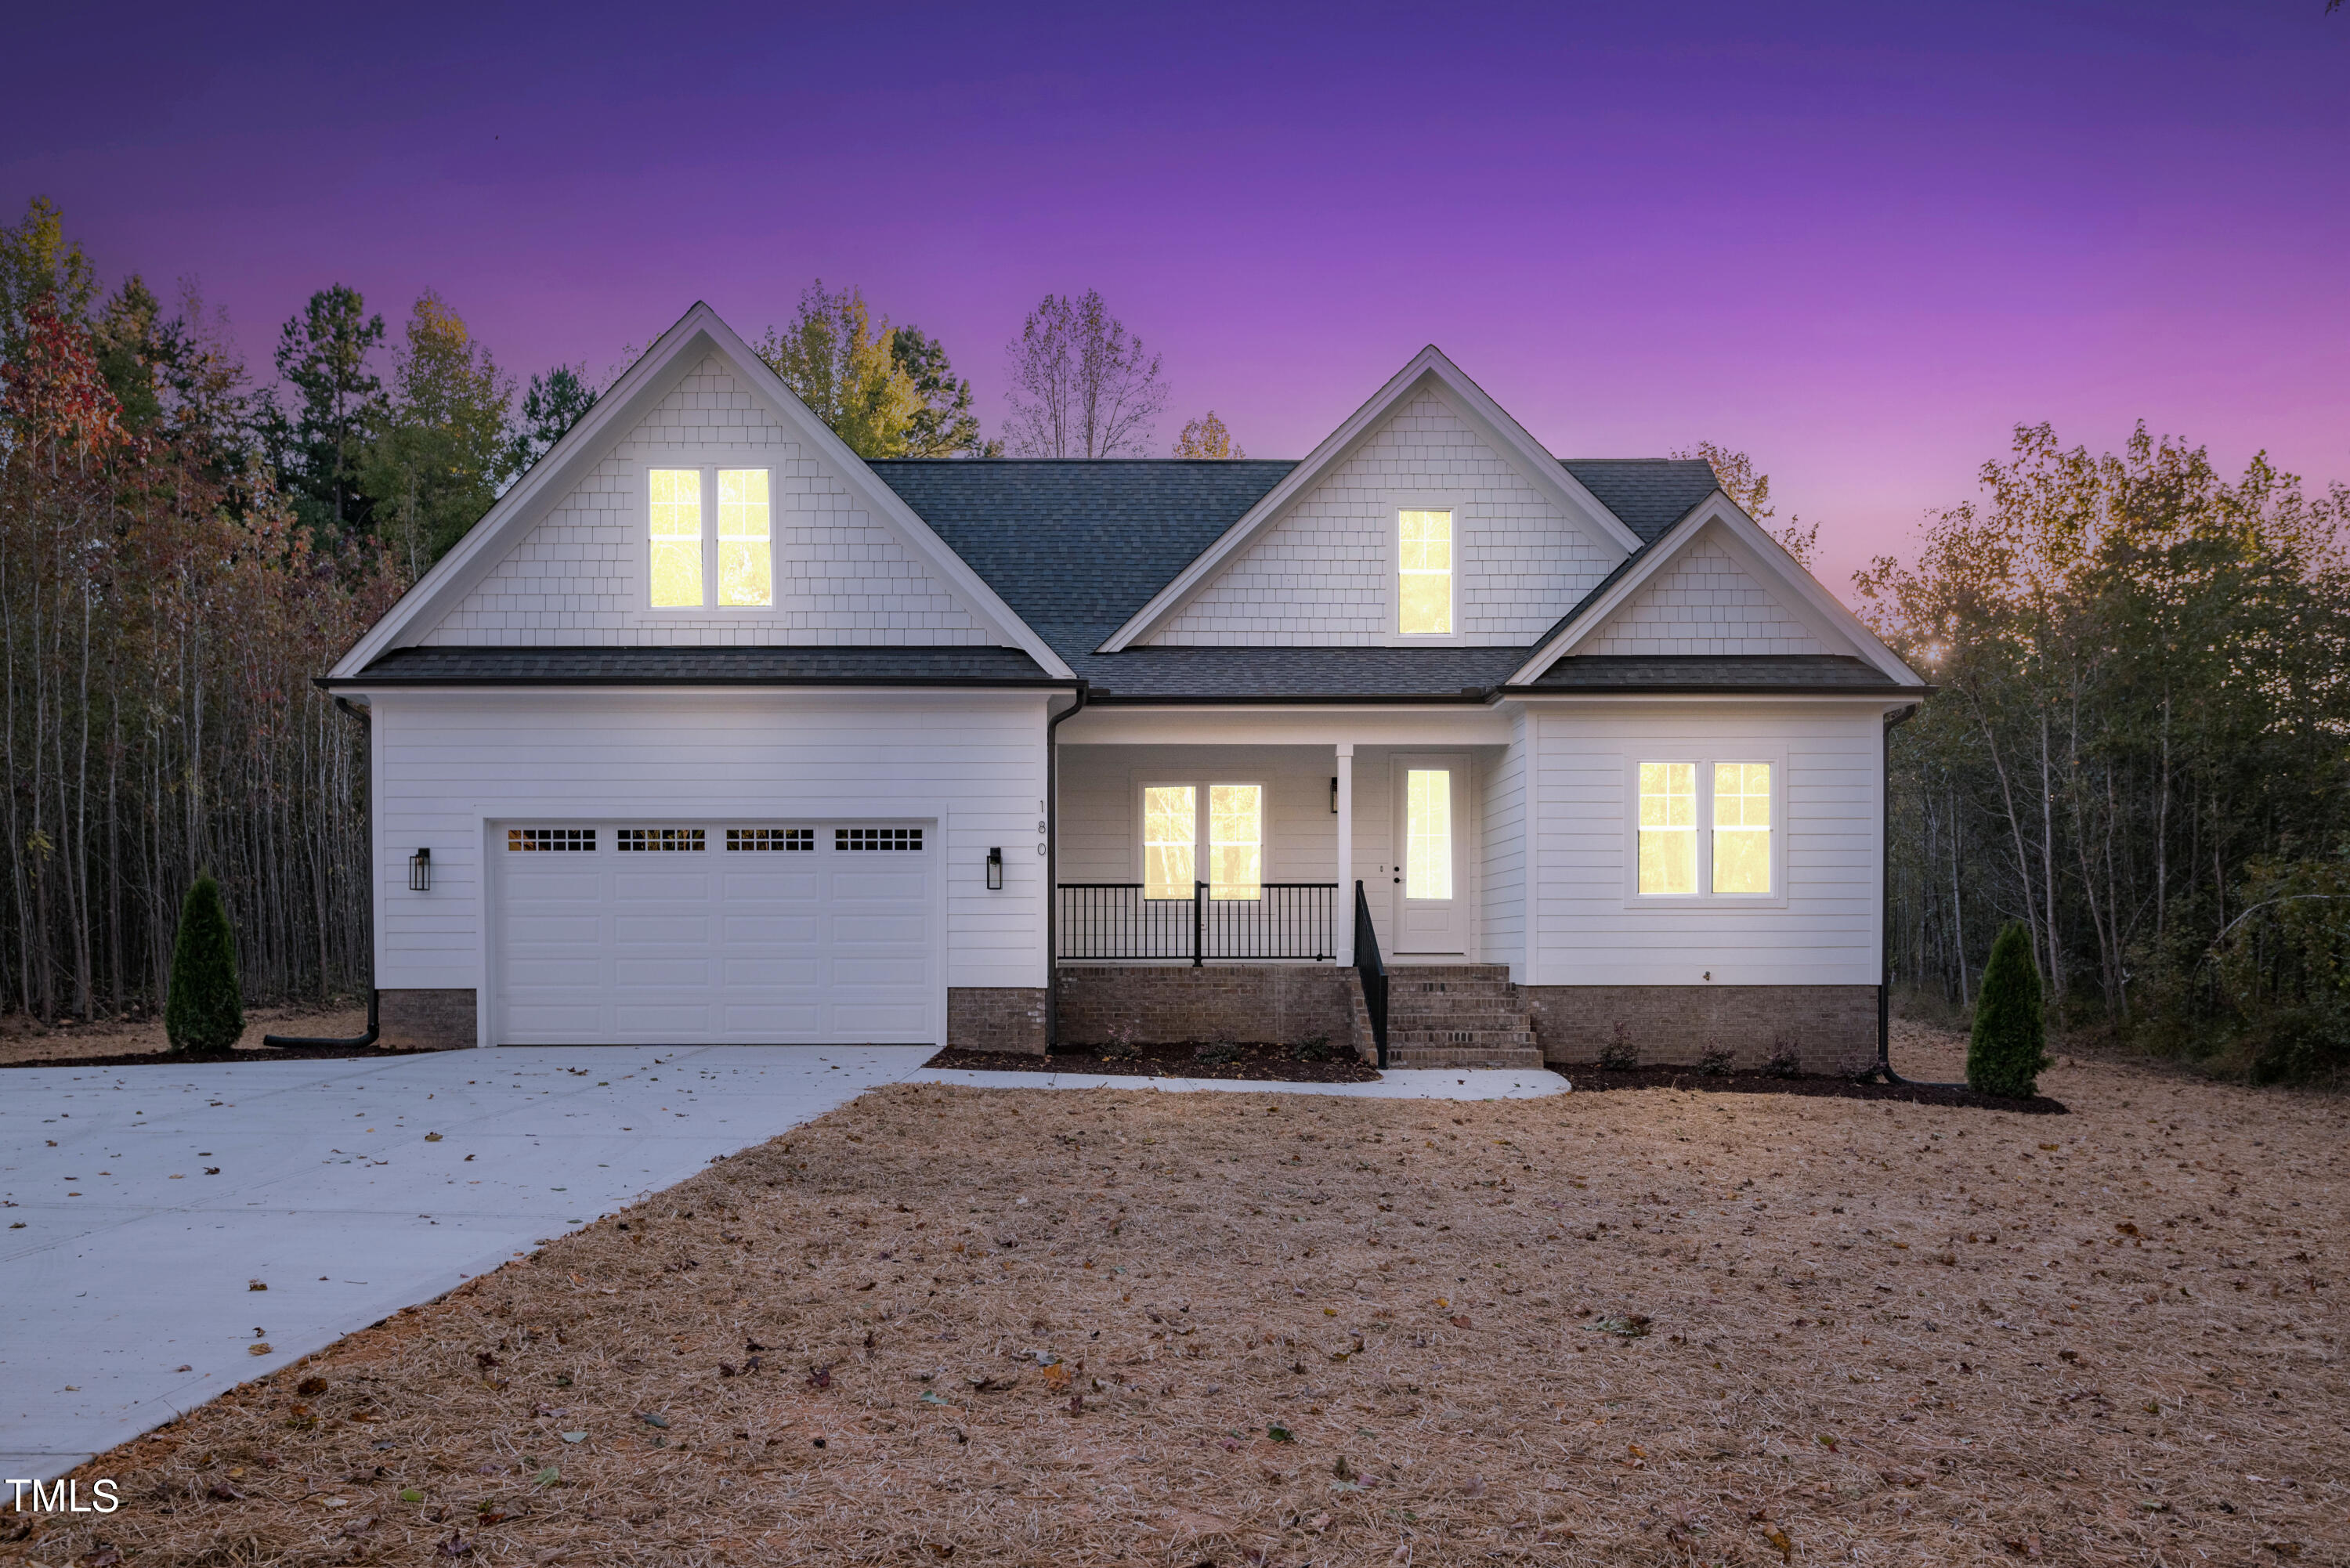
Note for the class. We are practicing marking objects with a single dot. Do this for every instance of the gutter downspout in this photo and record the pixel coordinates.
(1052, 867)
(374, 1026)
(1885, 898)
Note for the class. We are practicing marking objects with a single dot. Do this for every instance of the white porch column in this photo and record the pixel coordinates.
(1344, 934)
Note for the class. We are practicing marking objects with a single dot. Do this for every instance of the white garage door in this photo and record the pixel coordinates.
(634, 933)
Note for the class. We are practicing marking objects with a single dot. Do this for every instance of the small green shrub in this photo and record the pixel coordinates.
(204, 1010)
(2007, 1050)
(1715, 1062)
(1619, 1055)
(1217, 1054)
(1786, 1060)
(1314, 1048)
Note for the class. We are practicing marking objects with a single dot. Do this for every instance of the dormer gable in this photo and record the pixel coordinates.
(700, 463)
(1430, 518)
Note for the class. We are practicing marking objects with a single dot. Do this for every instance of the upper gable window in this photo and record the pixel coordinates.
(1424, 573)
(687, 558)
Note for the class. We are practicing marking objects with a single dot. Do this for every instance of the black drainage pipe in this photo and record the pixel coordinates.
(374, 1029)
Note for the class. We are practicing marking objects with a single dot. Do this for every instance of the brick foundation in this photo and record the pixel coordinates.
(435, 1020)
(1250, 1004)
(1831, 1028)
(997, 1018)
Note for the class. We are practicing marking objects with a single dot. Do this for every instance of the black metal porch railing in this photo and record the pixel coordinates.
(1114, 921)
(1374, 972)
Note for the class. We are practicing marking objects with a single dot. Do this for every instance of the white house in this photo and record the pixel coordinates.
(711, 732)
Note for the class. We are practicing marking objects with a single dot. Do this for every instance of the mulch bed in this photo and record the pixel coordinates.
(192, 1058)
(1255, 1063)
(1597, 1079)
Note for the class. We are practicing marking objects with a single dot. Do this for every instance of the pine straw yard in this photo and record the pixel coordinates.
(1026, 1327)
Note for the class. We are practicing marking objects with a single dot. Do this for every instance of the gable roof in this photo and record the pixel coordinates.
(1761, 554)
(697, 335)
(1428, 369)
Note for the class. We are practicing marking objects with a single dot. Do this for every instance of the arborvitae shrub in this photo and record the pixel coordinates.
(2005, 1055)
(204, 1011)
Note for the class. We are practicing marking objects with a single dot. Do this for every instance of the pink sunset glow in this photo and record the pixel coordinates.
(1859, 243)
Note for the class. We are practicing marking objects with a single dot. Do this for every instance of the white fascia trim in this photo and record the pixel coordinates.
(1466, 398)
(697, 332)
(1761, 554)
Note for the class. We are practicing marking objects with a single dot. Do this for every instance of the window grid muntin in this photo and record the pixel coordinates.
(788, 839)
(1171, 840)
(552, 839)
(854, 839)
(1424, 569)
(673, 539)
(1667, 829)
(1235, 841)
(1740, 858)
(747, 568)
(658, 839)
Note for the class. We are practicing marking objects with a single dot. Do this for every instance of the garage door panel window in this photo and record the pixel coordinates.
(780, 839)
(659, 838)
(882, 838)
(570, 839)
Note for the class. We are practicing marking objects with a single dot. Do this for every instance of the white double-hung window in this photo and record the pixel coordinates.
(1177, 819)
(709, 538)
(1424, 606)
(1705, 829)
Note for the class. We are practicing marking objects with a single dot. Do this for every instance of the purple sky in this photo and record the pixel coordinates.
(1858, 241)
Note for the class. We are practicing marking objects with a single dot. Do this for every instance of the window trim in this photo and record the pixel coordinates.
(1397, 503)
(1202, 846)
(1705, 758)
(640, 552)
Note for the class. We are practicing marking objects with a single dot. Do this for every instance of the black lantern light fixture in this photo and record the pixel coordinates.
(1334, 794)
(420, 871)
(995, 870)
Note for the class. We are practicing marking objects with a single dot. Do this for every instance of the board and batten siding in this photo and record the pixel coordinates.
(1320, 574)
(577, 577)
(447, 763)
(1828, 930)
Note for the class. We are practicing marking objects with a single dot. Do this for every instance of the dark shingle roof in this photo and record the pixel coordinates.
(1348, 674)
(704, 666)
(1647, 494)
(1710, 673)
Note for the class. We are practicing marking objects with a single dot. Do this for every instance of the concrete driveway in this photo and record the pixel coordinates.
(138, 1205)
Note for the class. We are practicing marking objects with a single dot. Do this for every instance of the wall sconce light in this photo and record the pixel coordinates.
(1334, 796)
(420, 871)
(995, 870)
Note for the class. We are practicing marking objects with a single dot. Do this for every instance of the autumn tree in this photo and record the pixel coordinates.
(438, 458)
(1744, 484)
(1206, 437)
(1082, 385)
(840, 363)
(942, 424)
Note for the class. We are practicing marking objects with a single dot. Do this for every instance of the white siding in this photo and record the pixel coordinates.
(1318, 575)
(1826, 932)
(1503, 890)
(576, 578)
(1705, 602)
(445, 763)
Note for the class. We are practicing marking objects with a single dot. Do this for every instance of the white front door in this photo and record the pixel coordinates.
(700, 933)
(1431, 883)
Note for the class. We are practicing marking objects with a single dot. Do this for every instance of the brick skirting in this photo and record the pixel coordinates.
(1829, 1028)
(435, 1020)
(997, 1018)
(1250, 1004)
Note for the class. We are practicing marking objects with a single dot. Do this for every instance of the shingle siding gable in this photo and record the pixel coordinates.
(1704, 603)
(841, 578)
(1318, 575)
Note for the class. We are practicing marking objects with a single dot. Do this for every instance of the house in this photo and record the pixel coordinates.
(711, 731)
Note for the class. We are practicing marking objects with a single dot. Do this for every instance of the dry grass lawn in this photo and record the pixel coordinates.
(1023, 1327)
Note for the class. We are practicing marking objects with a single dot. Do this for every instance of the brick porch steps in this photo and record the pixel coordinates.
(1458, 1015)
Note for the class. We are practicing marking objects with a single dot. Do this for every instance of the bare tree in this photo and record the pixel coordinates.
(1082, 385)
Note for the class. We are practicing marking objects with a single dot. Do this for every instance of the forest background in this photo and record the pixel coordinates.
(2136, 748)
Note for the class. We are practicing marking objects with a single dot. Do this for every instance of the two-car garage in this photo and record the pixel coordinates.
(714, 933)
